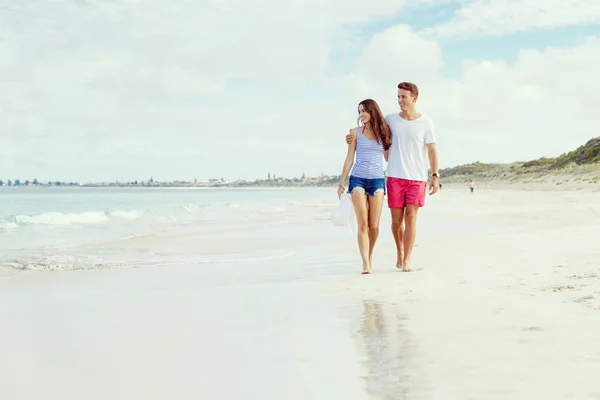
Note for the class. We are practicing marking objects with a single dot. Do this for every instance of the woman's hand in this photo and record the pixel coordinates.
(340, 191)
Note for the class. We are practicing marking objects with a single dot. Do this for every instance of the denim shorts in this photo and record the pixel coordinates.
(370, 186)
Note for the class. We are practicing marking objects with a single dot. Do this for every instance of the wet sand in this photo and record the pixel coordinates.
(504, 304)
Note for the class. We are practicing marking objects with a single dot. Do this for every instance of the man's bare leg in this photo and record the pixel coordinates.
(410, 234)
(398, 233)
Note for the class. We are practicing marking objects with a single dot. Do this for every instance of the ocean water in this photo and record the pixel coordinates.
(51, 229)
(84, 228)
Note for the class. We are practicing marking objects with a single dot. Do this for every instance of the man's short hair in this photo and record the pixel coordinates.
(411, 87)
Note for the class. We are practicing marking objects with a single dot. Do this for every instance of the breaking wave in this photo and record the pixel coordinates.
(62, 219)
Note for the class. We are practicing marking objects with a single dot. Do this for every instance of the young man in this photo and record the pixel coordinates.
(413, 139)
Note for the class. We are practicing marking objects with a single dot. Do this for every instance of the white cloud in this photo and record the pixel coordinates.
(157, 75)
(398, 52)
(543, 104)
(108, 89)
(499, 17)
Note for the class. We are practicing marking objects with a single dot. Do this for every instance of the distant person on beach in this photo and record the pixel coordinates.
(440, 186)
(472, 186)
(413, 140)
(370, 143)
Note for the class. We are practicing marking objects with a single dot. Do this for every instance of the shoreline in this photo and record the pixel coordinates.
(554, 182)
(222, 187)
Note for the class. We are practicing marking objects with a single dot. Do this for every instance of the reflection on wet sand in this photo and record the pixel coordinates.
(389, 354)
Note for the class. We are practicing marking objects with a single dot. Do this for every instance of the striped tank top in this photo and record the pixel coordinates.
(369, 158)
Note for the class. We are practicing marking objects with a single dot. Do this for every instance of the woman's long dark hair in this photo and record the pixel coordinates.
(380, 128)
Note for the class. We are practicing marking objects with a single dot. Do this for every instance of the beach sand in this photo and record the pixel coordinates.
(504, 304)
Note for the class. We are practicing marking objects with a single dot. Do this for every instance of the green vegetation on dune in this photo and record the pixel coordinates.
(476, 168)
(587, 154)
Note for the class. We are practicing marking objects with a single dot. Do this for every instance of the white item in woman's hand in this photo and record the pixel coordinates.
(343, 214)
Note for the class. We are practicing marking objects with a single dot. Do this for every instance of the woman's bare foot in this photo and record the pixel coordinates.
(366, 269)
(399, 262)
(406, 267)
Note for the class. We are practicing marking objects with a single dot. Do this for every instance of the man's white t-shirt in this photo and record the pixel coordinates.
(408, 157)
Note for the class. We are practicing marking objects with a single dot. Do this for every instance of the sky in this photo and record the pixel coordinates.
(98, 90)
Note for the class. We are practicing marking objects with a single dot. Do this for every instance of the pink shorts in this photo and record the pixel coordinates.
(403, 192)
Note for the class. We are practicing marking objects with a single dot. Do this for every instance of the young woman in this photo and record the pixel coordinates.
(367, 184)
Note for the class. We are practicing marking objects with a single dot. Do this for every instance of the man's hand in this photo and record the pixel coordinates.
(349, 137)
(434, 185)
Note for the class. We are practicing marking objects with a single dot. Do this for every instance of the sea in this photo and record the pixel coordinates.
(75, 228)
(67, 228)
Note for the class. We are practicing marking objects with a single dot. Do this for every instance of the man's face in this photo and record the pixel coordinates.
(406, 100)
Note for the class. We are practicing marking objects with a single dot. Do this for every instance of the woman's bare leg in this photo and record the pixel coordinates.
(359, 200)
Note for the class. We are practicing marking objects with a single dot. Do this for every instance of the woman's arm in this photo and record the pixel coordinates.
(349, 161)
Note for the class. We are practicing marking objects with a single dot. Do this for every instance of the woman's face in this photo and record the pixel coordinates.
(363, 114)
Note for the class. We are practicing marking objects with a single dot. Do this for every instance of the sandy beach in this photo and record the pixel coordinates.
(504, 304)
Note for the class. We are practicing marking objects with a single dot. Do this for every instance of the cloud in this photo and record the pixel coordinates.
(105, 89)
(162, 76)
(500, 17)
(543, 104)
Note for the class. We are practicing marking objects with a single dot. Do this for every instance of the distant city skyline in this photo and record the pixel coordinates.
(151, 180)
